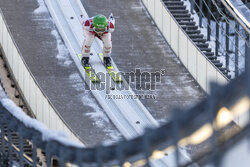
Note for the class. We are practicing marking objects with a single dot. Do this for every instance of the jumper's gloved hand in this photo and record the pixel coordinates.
(111, 18)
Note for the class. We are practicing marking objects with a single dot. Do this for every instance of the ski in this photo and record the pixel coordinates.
(89, 71)
(111, 70)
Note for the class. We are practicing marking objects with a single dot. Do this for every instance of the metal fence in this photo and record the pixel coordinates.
(226, 32)
(191, 56)
(211, 117)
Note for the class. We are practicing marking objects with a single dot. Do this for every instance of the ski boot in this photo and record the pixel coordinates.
(85, 61)
(107, 61)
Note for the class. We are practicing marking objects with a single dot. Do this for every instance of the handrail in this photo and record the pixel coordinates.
(237, 13)
(200, 67)
(187, 124)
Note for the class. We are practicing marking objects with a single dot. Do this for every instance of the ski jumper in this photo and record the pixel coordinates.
(90, 34)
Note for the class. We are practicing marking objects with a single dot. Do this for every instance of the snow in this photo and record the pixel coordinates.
(97, 114)
(41, 9)
(162, 121)
(15, 164)
(2, 93)
(100, 119)
(63, 53)
(144, 9)
(47, 134)
(75, 79)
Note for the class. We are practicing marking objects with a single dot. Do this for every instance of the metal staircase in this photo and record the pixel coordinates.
(183, 17)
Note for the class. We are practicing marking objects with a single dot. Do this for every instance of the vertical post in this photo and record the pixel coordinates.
(34, 152)
(217, 32)
(9, 147)
(2, 146)
(192, 6)
(247, 57)
(227, 45)
(236, 49)
(20, 147)
(146, 148)
(79, 158)
(175, 133)
(119, 154)
(48, 154)
(209, 21)
(217, 40)
(211, 110)
(61, 158)
(200, 13)
(247, 62)
(98, 157)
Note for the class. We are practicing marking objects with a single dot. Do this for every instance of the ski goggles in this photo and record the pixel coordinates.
(99, 29)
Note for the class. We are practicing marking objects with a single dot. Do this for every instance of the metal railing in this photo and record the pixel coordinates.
(205, 122)
(229, 36)
(197, 63)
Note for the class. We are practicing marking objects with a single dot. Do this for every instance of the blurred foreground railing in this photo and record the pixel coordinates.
(210, 123)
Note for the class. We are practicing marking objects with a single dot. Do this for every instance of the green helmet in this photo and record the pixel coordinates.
(100, 21)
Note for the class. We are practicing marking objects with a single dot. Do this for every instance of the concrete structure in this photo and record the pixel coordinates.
(136, 44)
(60, 83)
